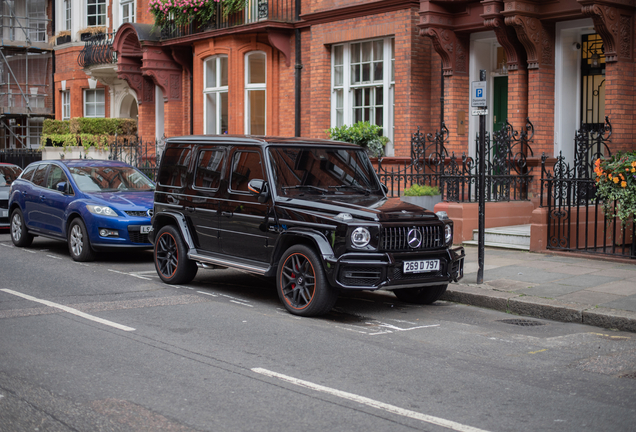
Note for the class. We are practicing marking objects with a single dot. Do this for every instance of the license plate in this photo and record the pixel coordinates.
(145, 229)
(5, 213)
(421, 266)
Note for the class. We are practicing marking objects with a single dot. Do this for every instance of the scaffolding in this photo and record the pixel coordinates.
(26, 74)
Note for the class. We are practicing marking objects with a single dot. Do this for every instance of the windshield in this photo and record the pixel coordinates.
(108, 179)
(8, 173)
(321, 171)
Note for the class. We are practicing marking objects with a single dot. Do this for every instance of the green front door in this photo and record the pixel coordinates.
(500, 103)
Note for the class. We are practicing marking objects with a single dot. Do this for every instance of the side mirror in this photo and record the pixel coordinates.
(259, 188)
(61, 186)
(384, 188)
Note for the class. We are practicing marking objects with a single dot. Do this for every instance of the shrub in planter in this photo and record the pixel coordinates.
(422, 195)
(616, 182)
(364, 134)
(88, 132)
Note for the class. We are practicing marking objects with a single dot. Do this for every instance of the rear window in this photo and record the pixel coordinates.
(174, 167)
(8, 173)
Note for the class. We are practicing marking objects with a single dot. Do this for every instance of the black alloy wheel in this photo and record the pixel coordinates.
(171, 257)
(301, 283)
(425, 295)
(19, 234)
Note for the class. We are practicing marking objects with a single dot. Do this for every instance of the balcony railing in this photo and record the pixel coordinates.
(98, 50)
(255, 11)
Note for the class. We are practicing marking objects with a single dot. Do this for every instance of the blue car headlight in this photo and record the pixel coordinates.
(101, 210)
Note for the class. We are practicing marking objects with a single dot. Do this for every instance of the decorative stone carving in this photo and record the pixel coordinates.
(615, 25)
(164, 71)
(536, 37)
(507, 38)
(453, 49)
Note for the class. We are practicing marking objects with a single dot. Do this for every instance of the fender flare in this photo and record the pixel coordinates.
(180, 222)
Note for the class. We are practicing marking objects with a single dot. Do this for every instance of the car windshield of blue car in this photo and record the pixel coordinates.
(8, 173)
(110, 179)
(322, 171)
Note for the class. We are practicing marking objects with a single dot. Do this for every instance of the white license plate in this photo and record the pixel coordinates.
(145, 229)
(421, 266)
(5, 213)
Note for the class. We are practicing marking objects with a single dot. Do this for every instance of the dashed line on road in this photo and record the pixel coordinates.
(537, 352)
(240, 303)
(128, 274)
(69, 310)
(207, 293)
(54, 257)
(449, 424)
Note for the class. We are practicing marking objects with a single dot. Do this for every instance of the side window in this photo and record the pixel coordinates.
(246, 165)
(209, 169)
(174, 167)
(28, 173)
(56, 175)
(40, 175)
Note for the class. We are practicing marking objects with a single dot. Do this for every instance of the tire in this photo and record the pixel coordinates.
(171, 257)
(425, 295)
(301, 283)
(19, 234)
(79, 245)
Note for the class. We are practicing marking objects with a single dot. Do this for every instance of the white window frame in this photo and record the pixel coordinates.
(249, 87)
(131, 16)
(97, 15)
(96, 103)
(214, 90)
(68, 15)
(348, 88)
(66, 105)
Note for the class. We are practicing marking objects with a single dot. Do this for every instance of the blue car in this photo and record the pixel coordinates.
(91, 204)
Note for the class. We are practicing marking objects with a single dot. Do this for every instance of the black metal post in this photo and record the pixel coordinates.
(482, 190)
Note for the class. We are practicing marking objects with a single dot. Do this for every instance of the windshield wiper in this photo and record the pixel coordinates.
(316, 188)
(356, 187)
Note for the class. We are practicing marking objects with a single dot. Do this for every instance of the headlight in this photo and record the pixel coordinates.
(360, 237)
(448, 233)
(102, 210)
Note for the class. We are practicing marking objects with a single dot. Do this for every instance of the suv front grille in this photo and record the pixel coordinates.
(396, 238)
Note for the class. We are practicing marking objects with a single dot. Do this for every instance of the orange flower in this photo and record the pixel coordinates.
(623, 184)
(615, 179)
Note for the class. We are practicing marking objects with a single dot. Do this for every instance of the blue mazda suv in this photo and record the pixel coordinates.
(91, 204)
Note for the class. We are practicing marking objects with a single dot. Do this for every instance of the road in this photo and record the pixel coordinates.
(105, 346)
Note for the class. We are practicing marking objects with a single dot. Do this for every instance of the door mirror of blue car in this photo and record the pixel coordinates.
(61, 186)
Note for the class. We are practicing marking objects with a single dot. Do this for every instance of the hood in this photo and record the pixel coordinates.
(125, 200)
(370, 208)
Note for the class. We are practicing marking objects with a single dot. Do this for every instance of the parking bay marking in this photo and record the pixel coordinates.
(129, 274)
(449, 424)
(69, 310)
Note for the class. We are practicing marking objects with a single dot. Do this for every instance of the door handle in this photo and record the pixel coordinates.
(42, 197)
(190, 209)
(227, 214)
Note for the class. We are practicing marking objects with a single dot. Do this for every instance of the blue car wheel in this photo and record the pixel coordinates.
(19, 234)
(79, 245)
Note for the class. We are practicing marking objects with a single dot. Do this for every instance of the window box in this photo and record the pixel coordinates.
(62, 39)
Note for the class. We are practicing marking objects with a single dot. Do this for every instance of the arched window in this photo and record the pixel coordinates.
(215, 91)
(255, 93)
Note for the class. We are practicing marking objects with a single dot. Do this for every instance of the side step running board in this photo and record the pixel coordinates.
(250, 267)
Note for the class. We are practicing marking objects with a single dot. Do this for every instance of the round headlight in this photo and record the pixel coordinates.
(360, 237)
(448, 233)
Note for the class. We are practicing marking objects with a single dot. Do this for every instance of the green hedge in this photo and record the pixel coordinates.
(87, 132)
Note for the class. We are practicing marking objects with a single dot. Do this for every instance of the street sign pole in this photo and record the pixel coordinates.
(482, 188)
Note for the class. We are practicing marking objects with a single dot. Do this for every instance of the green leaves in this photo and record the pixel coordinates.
(616, 182)
(363, 134)
(421, 190)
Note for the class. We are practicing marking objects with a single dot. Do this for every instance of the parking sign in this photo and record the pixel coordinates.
(478, 94)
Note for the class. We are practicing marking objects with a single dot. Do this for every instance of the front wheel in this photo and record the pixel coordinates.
(301, 283)
(79, 245)
(171, 257)
(425, 295)
(19, 234)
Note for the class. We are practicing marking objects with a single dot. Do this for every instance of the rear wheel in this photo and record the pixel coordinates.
(19, 234)
(171, 257)
(425, 295)
(79, 245)
(301, 283)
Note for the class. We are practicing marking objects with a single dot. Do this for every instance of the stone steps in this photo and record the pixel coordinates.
(508, 237)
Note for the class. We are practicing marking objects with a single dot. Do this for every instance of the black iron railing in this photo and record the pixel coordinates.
(508, 176)
(144, 155)
(20, 157)
(97, 50)
(576, 221)
(255, 11)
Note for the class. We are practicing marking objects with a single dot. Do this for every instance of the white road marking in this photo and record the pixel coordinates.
(6, 245)
(449, 424)
(153, 272)
(235, 298)
(242, 304)
(54, 257)
(129, 274)
(207, 293)
(392, 327)
(70, 310)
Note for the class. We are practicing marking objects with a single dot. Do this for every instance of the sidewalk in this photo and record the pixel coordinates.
(556, 287)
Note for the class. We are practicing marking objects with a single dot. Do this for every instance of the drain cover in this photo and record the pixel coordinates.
(522, 322)
(629, 375)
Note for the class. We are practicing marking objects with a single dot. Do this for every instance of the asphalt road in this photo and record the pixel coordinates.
(105, 346)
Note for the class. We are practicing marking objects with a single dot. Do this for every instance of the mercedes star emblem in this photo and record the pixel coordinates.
(414, 238)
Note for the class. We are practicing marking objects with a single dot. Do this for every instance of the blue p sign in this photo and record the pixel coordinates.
(479, 93)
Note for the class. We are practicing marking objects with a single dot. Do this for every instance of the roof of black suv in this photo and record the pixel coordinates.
(258, 140)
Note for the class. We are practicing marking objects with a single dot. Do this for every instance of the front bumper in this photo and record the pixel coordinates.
(128, 229)
(355, 271)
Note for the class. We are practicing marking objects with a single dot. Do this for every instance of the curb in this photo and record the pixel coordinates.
(538, 307)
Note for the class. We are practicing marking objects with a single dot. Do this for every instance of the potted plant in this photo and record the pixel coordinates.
(88, 32)
(616, 185)
(422, 195)
(364, 134)
(62, 37)
(184, 12)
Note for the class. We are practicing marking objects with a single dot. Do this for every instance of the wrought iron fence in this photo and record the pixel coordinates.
(20, 157)
(508, 176)
(144, 155)
(98, 50)
(576, 221)
(255, 11)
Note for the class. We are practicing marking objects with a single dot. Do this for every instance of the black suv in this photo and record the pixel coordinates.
(310, 212)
